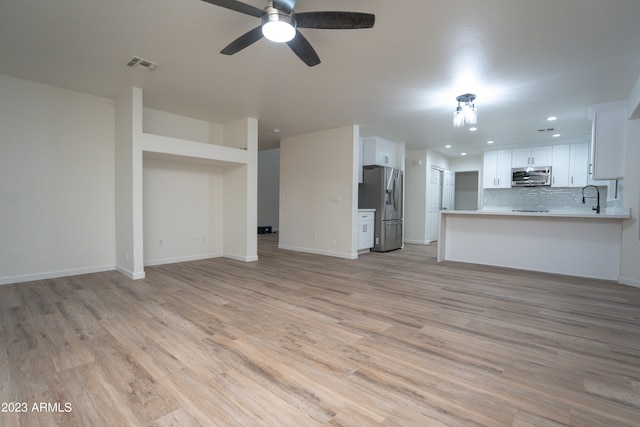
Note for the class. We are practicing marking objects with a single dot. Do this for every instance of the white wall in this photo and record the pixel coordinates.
(630, 250)
(181, 127)
(182, 200)
(56, 182)
(466, 164)
(438, 160)
(319, 193)
(269, 188)
(182, 211)
(416, 224)
(415, 202)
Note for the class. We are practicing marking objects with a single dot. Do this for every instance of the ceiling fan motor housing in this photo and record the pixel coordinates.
(277, 25)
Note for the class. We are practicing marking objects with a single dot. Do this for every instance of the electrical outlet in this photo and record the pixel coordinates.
(160, 242)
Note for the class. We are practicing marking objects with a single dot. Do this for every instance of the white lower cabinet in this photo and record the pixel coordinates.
(366, 224)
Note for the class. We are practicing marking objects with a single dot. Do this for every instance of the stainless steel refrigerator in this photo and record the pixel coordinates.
(381, 189)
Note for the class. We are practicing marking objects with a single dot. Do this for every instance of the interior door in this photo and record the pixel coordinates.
(434, 204)
(448, 190)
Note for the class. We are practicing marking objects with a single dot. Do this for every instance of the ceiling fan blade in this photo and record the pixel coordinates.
(335, 20)
(301, 47)
(238, 7)
(245, 40)
(284, 5)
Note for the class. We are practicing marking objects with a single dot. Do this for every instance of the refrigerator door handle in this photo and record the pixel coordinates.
(395, 194)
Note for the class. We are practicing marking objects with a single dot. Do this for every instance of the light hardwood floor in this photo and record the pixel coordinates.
(303, 340)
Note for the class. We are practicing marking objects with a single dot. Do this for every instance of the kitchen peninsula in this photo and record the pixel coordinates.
(577, 242)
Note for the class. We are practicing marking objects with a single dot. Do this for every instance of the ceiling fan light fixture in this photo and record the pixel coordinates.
(277, 26)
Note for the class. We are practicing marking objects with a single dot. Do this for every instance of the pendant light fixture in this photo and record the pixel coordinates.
(465, 114)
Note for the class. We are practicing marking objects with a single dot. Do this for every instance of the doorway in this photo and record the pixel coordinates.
(434, 203)
(441, 194)
(466, 191)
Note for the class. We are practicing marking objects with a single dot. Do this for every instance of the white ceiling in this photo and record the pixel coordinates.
(525, 60)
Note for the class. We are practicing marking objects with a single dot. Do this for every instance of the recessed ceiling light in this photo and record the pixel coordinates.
(473, 129)
(489, 142)
(447, 146)
(463, 154)
(555, 135)
(552, 118)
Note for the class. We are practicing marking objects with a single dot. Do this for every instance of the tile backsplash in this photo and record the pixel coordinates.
(544, 198)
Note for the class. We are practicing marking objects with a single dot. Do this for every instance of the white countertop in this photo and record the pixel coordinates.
(366, 210)
(606, 213)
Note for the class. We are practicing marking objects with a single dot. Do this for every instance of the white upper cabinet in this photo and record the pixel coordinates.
(496, 169)
(579, 165)
(607, 140)
(560, 165)
(570, 165)
(380, 152)
(531, 156)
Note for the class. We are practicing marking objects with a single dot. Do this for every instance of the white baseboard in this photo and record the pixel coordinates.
(55, 274)
(133, 275)
(629, 281)
(319, 252)
(418, 242)
(243, 258)
(173, 260)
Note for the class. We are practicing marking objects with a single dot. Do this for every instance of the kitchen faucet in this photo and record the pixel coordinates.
(595, 208)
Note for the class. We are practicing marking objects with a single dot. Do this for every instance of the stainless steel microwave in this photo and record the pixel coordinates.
(531, 176)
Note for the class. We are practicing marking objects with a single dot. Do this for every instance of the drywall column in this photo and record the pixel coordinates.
(128, 184)
(240, 188)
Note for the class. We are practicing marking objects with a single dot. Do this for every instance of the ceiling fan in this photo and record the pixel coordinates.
(279, 15)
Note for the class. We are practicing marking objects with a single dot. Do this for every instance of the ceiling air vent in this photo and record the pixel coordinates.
(137, 62)
(546, 130)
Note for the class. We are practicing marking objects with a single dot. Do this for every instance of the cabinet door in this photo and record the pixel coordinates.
(608, 144)
(496, 169)
(530, 156)
(521, 157)
(362, 236)
(503, 172)
(380, 152)
(489, 169)
(579, 165)
(366, 227)
(369, 234)
(448, 190)
(560, 166)
(541, 156)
